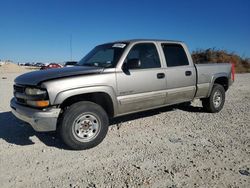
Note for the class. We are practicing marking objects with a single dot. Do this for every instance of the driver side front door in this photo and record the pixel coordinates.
(143, 87)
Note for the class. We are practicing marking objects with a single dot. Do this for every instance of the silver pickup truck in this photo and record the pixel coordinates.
(112, 80)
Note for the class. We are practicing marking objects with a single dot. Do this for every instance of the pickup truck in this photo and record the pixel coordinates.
(112, 80)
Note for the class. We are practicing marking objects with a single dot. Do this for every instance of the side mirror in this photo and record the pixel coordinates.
(133, 63)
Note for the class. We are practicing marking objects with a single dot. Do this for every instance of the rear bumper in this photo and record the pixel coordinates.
(41, 120)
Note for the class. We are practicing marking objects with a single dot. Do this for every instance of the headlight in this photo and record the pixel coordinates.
(34, 91)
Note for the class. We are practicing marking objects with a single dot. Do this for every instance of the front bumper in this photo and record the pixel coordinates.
(41, 120)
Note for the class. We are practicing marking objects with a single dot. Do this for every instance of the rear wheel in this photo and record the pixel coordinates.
(215, 102)
(84, 125)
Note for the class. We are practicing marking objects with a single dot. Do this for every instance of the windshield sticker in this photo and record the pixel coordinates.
(119, 45)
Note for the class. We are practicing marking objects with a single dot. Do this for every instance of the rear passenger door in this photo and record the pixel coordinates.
(141, 87)
(180, 74)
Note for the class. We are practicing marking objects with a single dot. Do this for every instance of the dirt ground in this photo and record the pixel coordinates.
(170, 147)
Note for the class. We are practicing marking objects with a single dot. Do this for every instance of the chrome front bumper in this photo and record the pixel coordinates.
(41, 120)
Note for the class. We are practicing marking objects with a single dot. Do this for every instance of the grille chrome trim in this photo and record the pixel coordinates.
(19, 88)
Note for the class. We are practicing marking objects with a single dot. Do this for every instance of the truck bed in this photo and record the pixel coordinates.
(207, 73)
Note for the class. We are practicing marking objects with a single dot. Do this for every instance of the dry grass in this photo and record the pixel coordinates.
(242, 65)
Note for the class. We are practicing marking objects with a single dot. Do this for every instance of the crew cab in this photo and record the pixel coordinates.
(112, 80)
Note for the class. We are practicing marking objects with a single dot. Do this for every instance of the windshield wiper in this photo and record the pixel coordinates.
(97, 64)
(88, 64)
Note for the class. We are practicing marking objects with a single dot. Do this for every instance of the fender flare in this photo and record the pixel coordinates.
(63, 95)
(214, 77)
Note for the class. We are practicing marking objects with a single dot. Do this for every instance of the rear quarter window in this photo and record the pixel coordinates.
(175, 55)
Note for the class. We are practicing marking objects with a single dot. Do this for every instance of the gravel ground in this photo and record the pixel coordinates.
(169, 147)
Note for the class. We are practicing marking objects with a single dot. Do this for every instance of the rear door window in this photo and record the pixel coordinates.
(175, 55)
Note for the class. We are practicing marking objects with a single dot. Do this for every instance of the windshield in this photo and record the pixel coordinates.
(106, 55)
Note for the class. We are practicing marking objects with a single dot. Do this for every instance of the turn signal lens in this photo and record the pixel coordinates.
(42, 103)
(38, 103)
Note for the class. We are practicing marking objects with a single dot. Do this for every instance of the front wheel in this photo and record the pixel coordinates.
(215, 102)
(84, 125)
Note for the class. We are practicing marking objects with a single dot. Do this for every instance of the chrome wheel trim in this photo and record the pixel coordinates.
(217, 99)
(86, 127)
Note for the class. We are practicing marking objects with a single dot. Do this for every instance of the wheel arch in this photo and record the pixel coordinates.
(222, 79)
(103, 96)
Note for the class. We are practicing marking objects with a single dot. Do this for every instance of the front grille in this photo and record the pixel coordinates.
(19, 89)
(20, 100)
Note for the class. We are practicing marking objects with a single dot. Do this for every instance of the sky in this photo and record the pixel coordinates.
(40, 30)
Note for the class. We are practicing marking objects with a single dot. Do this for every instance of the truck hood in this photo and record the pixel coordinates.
(36, 77)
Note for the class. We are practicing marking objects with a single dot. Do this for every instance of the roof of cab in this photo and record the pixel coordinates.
(148, 40)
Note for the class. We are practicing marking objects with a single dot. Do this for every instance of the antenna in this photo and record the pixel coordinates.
(71, 47)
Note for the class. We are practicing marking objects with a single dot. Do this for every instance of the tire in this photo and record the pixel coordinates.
(215, 102)
(83, 125)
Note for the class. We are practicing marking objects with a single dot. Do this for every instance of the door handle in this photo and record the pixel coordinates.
(188, 73)
(160, 75)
